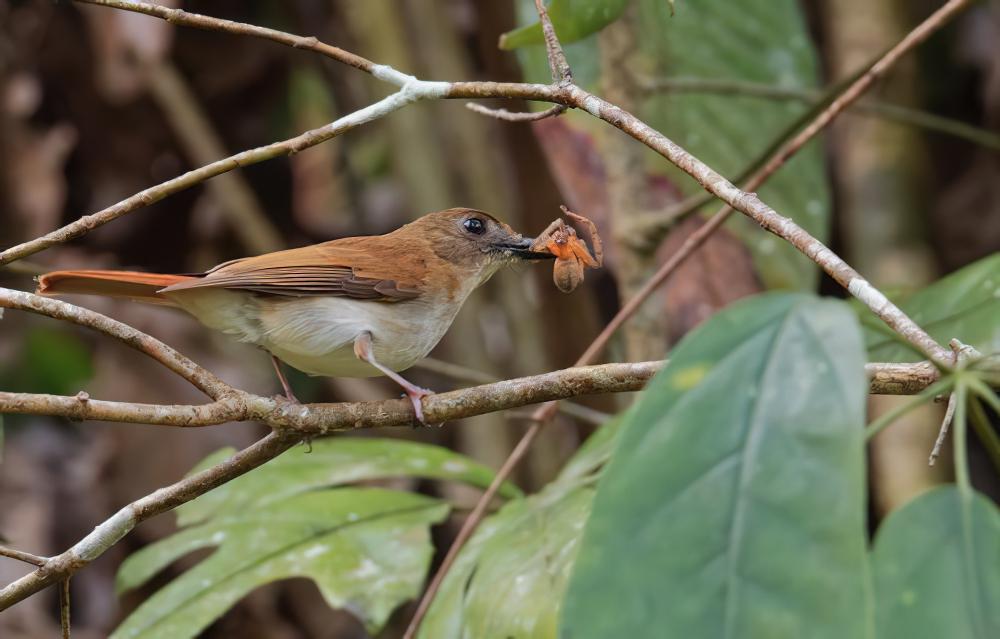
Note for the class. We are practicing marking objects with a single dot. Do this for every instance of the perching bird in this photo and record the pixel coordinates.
(353, 307)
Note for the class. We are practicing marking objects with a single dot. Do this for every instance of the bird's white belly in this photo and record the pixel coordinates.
(316, 335)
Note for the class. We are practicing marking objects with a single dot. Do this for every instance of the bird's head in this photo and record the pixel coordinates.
(473, 240)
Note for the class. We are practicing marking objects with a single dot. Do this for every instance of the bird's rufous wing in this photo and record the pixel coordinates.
(340, 268)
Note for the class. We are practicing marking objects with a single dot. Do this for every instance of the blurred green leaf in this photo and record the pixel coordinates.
(367, 549)
(509, 580)
(333, 461)
(937, 568)
(572, 20)
(734, 503)
(763, 41)
(963, 305)
(53, 362)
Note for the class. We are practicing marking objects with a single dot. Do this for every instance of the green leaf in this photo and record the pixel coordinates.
(333, 461)
(367, 549)
(509, 580)
(734, 504)
(54, 362)
(572, 20)
(594, 453)
(963, 305)
(937, 568)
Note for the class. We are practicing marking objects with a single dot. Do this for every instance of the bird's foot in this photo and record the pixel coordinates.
(416, 394)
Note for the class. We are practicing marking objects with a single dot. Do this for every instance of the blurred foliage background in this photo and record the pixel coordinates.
(97, 104)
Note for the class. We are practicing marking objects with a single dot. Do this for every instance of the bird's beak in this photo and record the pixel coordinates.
(522, 249)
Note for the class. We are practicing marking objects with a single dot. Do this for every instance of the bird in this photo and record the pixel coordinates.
(351, 307)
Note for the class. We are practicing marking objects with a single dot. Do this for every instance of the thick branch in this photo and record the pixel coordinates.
(317, 419)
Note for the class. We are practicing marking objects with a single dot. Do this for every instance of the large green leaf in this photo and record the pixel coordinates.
(734, 503)
(572, 20)
(963, 305)
(510, 578)
(331, 462)
(762, 41)
(367, 549)
(937, 568)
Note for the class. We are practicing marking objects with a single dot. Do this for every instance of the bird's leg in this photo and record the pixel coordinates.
(284, 381)
(307, 440)
(363, 350)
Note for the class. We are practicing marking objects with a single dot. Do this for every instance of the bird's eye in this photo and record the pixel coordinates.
(474, 225)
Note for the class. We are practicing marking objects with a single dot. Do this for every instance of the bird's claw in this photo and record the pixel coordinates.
(416, 394)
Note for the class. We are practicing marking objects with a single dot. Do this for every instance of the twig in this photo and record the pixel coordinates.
(516, 116)
(558, 64)
(927, 395)
(198, 21)
(20, 555)
(108, 533)
(64, 607)
(949, 414)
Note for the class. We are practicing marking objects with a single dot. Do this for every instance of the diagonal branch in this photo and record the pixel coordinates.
(558, 64)
(198, 21)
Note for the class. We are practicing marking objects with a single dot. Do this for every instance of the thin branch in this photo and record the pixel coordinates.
(516, 116)
(64, 608)
(558, 64)
(949, 414)
(198, 21)
(20, 555)
(108, 533)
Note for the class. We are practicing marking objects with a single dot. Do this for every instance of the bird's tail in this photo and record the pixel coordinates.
(141, 287)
